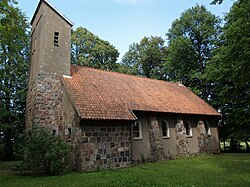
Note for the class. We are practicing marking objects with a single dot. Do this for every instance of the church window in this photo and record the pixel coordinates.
(165, 129)
(207, 127)
(137, 130)
(188, 129)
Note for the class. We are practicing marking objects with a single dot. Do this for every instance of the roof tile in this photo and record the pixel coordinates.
(99, 94)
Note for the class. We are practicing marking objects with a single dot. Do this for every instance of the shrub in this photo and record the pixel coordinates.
(44, 153)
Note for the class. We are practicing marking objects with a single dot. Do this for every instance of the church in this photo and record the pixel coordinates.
(113, 120)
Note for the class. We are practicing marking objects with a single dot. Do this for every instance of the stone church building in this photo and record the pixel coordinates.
(112, 119)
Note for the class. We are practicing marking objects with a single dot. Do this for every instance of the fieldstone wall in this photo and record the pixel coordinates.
(202, 137)
(157, 149)
(99, 146)
(44, 102)
(181, 139)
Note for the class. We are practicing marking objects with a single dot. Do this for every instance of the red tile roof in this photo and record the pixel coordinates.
(99, 94)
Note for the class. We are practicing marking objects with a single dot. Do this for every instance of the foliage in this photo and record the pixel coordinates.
(146, 58)
(88, 49)
(230, 72)
(14, 53)
(216, 2)
(214, 170)
(192, 39)
(43, 152)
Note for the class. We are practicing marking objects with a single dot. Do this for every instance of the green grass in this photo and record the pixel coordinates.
(207, 170)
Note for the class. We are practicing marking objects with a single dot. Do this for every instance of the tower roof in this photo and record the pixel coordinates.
(54, 9)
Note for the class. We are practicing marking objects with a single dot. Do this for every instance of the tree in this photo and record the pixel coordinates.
(88, 49)
(216, 2)
(146, 58)
(14, 53)
(192, 39)
(229, 70)
(43, 152)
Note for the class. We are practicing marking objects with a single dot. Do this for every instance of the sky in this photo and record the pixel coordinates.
(123, 22)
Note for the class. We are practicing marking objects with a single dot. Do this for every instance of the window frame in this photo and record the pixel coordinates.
(137, 123)
(167, 129)
(208, 129)
(190, 130)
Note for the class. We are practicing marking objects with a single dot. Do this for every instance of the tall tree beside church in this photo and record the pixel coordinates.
(192, 39)
(230, 72)
(88, 49)
(14, 42)
(146, 58)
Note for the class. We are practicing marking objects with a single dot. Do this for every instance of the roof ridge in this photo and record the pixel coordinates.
(125, 74)
(53, 8)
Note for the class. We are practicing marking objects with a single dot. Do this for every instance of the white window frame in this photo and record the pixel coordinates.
(140, 131)
(190, 129)
(167, 129)
(207, 127)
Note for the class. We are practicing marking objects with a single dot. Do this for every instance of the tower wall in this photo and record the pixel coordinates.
(50, 60)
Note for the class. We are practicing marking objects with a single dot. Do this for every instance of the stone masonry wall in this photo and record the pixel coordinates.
(181, 139)
(157, 149)
(102, 146)
(202, 138)
(44, 102)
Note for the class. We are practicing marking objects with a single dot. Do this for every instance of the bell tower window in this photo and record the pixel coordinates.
(56, 39)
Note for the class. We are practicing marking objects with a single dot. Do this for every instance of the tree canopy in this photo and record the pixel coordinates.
(14, 53)
(192, 39)
(147, 57)
(89, 50)
(229, 71)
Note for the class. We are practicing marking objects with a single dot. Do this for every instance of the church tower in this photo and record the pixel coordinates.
(50, 60)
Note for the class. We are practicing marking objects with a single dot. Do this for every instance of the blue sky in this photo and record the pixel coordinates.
(122, 22)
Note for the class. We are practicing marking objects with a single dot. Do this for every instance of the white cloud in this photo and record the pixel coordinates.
(133, 1)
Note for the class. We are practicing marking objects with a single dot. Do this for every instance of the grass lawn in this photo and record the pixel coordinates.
(207, 170)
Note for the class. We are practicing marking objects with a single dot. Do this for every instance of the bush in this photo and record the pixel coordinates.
(43, 153)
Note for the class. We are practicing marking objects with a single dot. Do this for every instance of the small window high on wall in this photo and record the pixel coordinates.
(207, 128)
(137, 130)
(165, 129)
(188, 129)
(56, 39)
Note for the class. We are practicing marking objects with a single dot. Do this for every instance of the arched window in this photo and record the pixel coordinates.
(207, 127)
(165, 129)
(137, 134)
(188, 128)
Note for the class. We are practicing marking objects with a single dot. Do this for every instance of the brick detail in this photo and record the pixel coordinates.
(102, 147)
(202, 137)
(181, 139)
(156, 147)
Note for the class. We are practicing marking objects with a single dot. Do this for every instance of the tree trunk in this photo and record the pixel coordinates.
(232, 145)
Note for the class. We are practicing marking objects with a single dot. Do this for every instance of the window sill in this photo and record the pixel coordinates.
(137, 138)
(166, 137)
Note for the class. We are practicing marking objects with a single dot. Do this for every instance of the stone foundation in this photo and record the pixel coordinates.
(102, 147)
